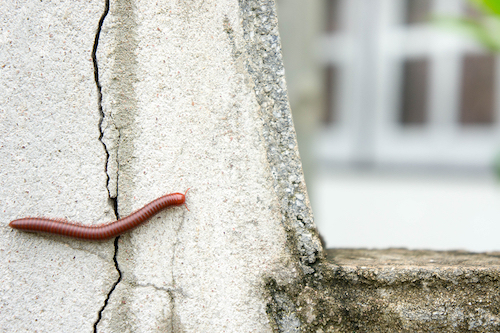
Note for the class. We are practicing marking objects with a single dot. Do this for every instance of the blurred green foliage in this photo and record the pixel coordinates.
(496, 166)
(484, 28)
(487, 31)
(491, 6)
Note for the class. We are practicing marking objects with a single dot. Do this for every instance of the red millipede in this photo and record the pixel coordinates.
(102, 231)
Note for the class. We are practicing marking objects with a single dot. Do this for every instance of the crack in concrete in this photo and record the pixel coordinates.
(85, 247)
(99, 89)
(151, 285)
(172, 311)
(115, 260)
(173, 317)
(112, 201)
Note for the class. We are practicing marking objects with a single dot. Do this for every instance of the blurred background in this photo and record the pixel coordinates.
(398, 120)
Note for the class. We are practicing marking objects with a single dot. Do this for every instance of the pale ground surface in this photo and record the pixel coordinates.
(359, 209)
(51, 164)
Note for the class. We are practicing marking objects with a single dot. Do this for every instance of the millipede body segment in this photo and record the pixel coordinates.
(103, 231)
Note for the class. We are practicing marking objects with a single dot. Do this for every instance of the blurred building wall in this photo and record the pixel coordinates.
(301, 23)
(383, 98)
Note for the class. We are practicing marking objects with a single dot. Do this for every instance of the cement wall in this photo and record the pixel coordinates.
(179, 95)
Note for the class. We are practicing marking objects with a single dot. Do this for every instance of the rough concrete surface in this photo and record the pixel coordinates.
(51, 164)
(399, 290)
(194, 97)
(186, 94)
(189, 94)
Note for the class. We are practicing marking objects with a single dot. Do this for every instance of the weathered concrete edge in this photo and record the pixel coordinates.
(445, 292)
(260, 25)
(264, 63)
(398, 290)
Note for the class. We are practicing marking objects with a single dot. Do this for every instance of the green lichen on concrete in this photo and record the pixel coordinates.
(327, 303)
(281, 309)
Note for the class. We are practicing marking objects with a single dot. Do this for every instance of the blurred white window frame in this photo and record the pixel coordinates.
(367, 53)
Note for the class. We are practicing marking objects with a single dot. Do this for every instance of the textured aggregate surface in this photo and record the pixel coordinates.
(51, 164)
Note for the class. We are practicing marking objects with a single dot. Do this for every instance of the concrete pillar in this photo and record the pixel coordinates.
(186, 94)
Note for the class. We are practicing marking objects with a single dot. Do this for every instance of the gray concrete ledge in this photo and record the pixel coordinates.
(400, 291)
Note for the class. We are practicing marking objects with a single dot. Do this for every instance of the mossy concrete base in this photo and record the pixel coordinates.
(394, 291)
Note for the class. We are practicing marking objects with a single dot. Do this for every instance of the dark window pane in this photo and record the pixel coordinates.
(333, 15)
(417, 11)
(414, 97)
(477, 89)
(331, 93)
